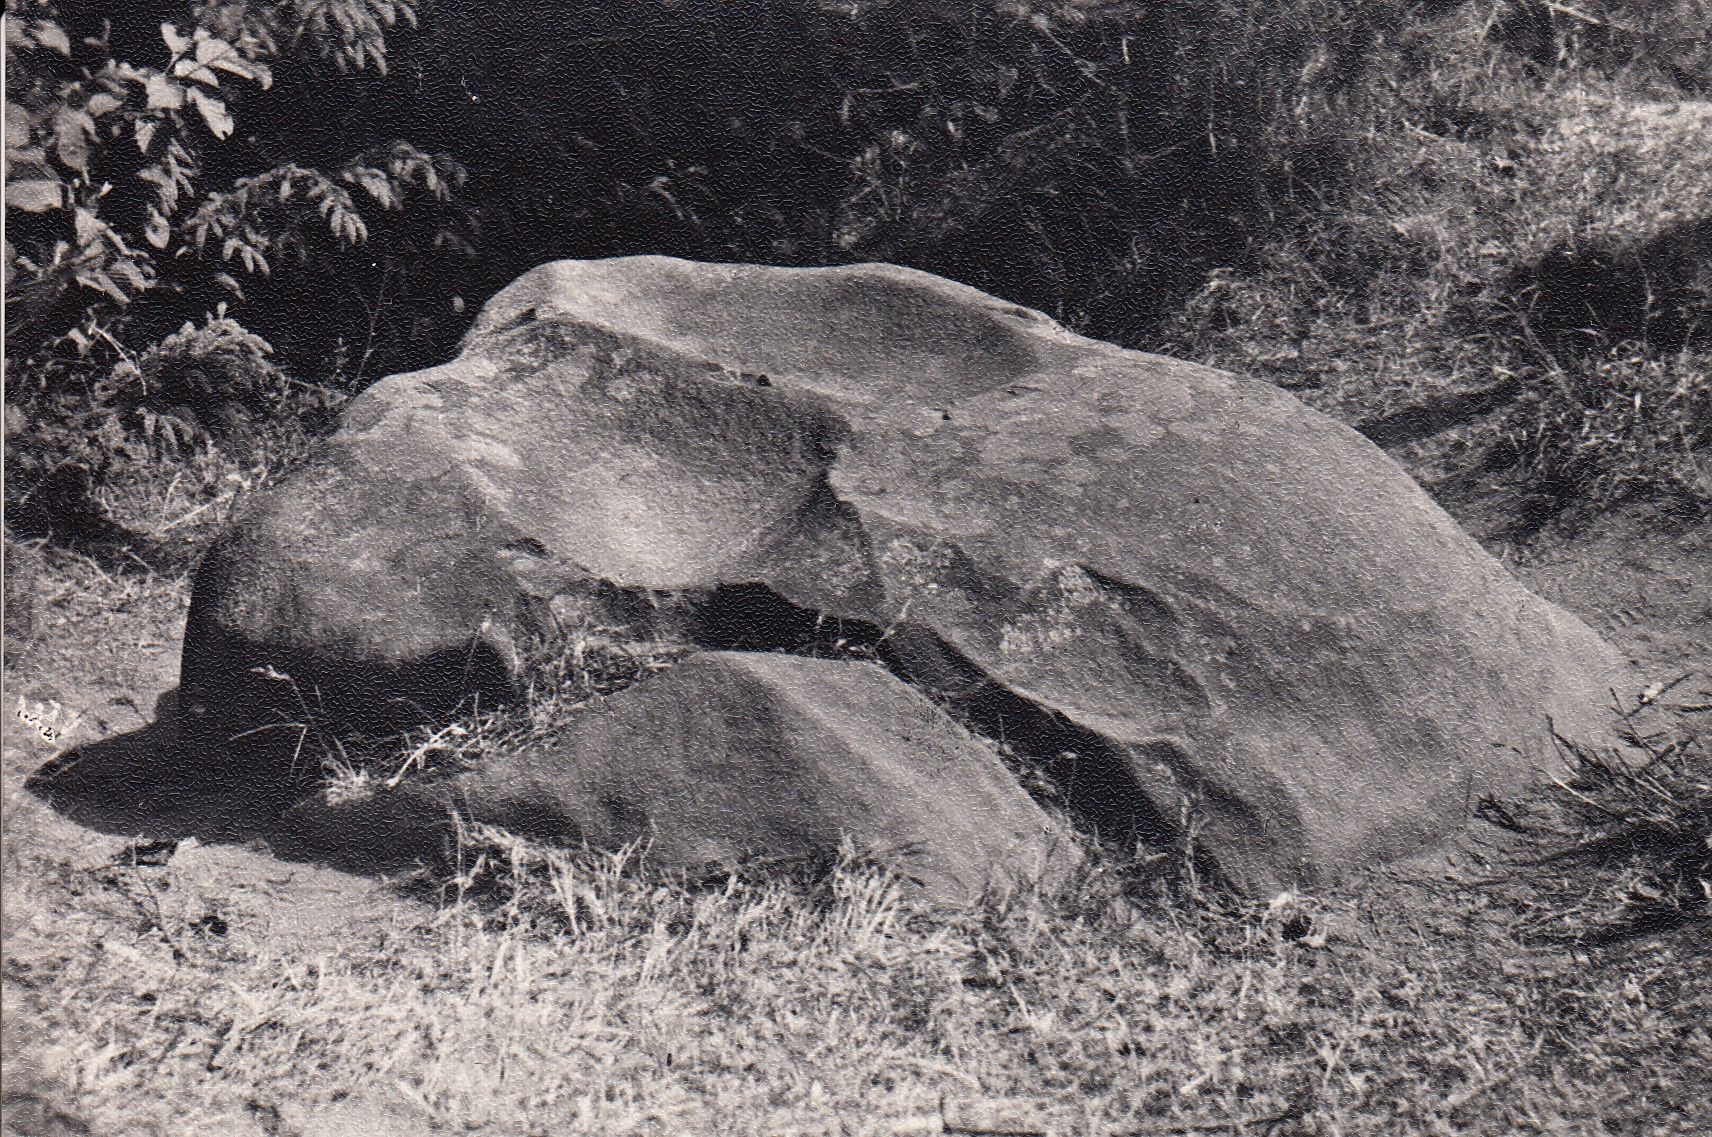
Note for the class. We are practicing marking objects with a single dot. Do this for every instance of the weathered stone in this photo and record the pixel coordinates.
(730, 756)
(1208, 594)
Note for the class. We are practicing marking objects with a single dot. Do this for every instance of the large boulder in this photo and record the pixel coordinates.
(1214, 601)
(731, 756)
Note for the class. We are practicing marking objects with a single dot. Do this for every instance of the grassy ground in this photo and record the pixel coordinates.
(1514, 287)
(226, 992)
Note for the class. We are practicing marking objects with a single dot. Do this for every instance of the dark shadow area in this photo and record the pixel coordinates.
(140, 785)
(1437, 414)
(276, 713)
(1059, 763)
(1657, 291)
(752, 617)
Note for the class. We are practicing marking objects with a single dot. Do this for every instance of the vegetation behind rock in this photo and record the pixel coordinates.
(1469, 228)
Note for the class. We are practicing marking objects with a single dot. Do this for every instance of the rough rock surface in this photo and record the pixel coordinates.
(734, 755)
(1206, 593)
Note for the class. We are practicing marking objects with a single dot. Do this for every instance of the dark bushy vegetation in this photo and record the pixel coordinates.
(1092, 159)
(1388, 207)
(161, 168)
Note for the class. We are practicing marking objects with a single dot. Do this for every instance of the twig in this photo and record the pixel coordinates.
(1457, 1101)
(1268, 1122)
(155, 913)
(1566, 10)
(222, 499)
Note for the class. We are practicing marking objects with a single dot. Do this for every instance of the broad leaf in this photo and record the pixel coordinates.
(175, 43)
(34, 195)
(156, 231)
(131, 273)
(252, 69)
(164, 94)
(17, 126)
(101, 282)
(214, 51)
(188, 68)
(213, 112)
(72, 131)
(51, 35)
(87, 226)
(31, 162)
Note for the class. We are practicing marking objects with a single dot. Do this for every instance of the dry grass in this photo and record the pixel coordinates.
(584, 661)
(1516, 251)
(557, 993)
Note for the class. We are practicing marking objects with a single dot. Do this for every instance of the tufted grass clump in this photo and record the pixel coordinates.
(1628, 425)
(1621, 845)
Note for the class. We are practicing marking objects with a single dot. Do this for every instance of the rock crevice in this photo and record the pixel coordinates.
(1214, 599)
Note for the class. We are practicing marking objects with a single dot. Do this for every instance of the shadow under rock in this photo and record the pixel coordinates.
(137, 785)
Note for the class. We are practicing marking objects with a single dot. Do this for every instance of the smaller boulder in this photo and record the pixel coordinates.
(731, 756)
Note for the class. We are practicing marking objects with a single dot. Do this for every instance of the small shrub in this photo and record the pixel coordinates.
(123, 454)
(133, 199)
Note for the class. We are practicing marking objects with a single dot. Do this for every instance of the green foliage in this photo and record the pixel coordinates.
(132, 199)
(349, 33)
(202, 400)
